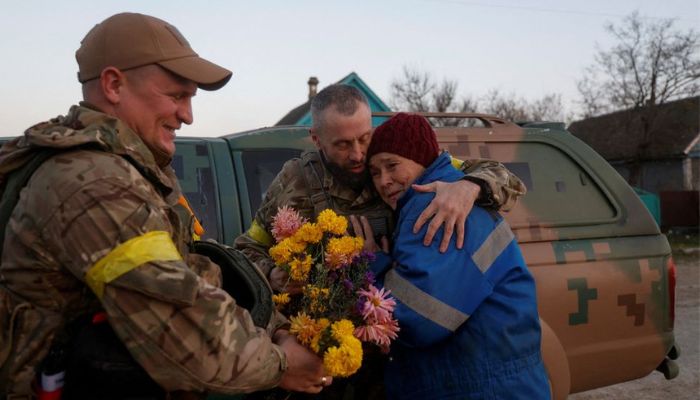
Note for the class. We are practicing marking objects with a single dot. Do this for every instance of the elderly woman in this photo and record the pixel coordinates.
(468, 317)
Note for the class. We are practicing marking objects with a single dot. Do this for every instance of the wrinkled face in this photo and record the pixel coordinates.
(155, 103)
(345, 139)
(393, 175)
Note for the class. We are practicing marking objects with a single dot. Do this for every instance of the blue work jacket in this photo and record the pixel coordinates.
(468, 317)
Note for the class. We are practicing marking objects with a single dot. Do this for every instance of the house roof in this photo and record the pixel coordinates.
(301, 115)
(296, 114)
(618, 136)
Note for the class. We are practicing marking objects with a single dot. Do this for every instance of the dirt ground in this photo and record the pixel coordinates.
(686, 253)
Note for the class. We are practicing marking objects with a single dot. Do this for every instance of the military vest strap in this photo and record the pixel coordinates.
(318, 192)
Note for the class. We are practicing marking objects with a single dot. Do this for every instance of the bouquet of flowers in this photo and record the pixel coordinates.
(339, 307)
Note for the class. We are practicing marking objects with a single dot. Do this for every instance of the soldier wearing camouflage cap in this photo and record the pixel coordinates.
(98, 227)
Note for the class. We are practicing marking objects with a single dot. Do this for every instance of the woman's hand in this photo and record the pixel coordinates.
(279, 281)
(363, 229)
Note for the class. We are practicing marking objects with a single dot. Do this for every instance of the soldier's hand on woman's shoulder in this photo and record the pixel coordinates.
(451, 206)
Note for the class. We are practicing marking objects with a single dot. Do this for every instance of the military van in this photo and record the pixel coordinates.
(604, 274)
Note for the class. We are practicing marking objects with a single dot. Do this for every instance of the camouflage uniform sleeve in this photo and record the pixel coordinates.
(187, 333)
(505, 187)
(288, 188)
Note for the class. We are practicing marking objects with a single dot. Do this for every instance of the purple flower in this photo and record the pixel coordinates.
(347, 283)
(368, 256)
(360, 305)
(369, 278)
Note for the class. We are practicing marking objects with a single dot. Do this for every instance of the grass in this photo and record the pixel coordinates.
(684, 243)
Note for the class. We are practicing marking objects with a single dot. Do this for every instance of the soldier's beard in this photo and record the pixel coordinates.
(356, 181)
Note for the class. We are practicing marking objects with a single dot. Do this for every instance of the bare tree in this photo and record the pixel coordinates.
(412, 91)
(513, 108)
(506, 106)
(548, 108)
(650, 64)
(418, 91)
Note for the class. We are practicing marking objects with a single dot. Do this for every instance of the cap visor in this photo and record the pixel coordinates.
(206, 74)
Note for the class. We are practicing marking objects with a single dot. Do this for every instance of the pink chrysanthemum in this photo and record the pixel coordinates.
(377, 305)
(285, 223)
(380, 333)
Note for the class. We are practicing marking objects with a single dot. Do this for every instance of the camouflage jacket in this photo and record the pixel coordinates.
(100, 203)
(306, 185)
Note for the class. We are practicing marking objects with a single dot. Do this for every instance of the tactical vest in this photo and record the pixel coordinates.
(379, 215)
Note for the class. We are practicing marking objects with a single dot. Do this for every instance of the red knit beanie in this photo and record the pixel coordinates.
(407, 135)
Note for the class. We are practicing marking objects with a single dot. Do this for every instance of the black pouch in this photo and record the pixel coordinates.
(241, 279)
(99, 366)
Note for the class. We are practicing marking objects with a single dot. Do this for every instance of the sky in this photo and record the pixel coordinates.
(528, 48)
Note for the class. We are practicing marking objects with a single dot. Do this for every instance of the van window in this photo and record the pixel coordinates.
(552, 178)
(193, 167)
(261, 167)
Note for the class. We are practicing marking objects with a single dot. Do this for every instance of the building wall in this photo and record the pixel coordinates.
(659, 176)
(693, 173)
(677, 183)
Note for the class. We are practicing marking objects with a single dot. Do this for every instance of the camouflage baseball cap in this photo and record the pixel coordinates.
(130, 40)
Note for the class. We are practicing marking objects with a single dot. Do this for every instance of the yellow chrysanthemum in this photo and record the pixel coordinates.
(342, 328)
(341, 251)
(309, 233)
(321, 325)
(299, 269)
(304, 328)
(349, 245)
(280, 299)
(280, 253)
(296, 246)
(329, 221)
(315, 292)
(345, 359)
(283, 251)
(318, 296)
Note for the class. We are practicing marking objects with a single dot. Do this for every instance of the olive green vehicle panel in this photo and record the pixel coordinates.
(284, 137)
(250, 152)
